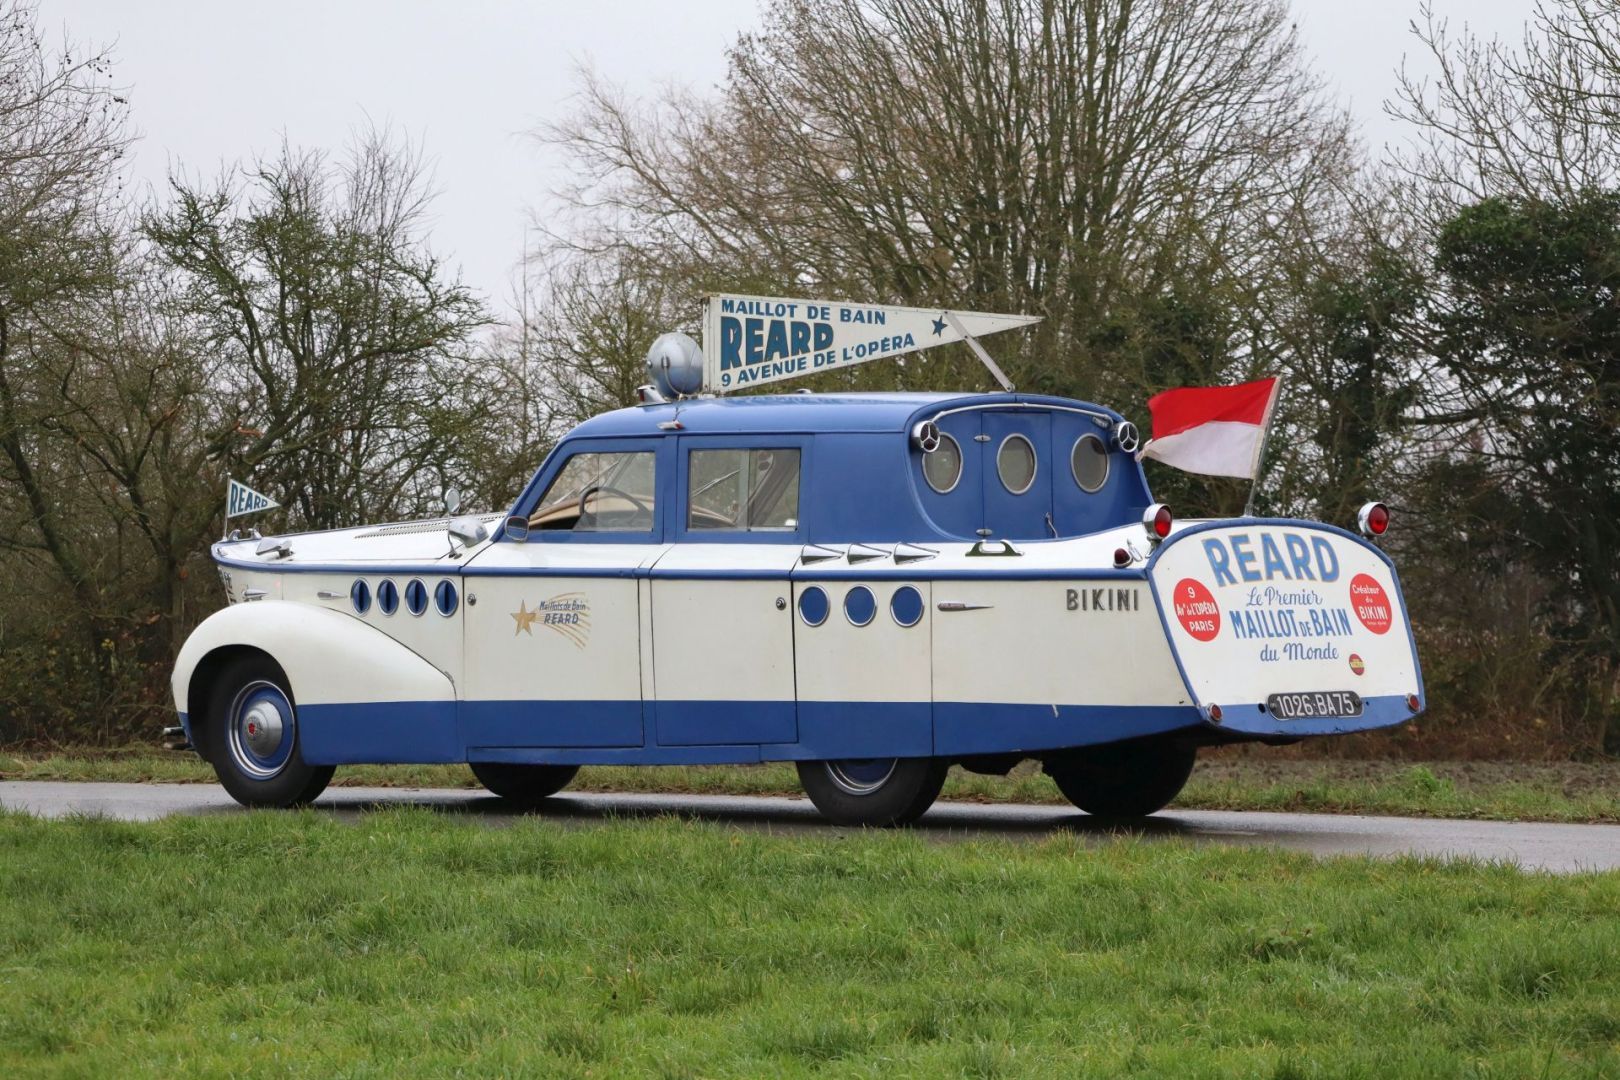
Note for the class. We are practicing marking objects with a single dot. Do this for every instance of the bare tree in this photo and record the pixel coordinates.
(1071, 158)
(343, 336)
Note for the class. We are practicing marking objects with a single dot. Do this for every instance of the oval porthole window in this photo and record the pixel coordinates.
(813, 605)
(906, 605)
(942, 466)
(1015, 464)
(416, 596)
(859, 605)
(445, 598)
(1089, 462)
(360, 597)
(387, 597)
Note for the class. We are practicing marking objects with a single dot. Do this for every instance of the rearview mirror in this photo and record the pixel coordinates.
(452, 501)
(517, 528)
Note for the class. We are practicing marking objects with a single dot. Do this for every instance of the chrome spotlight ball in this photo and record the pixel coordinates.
(675, 365)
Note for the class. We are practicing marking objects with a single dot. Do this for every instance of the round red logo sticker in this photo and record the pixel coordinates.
(1371, 604)
(1357, 664)
(1196, 609)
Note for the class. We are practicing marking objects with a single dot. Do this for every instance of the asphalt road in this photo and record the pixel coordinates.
(1556, 848)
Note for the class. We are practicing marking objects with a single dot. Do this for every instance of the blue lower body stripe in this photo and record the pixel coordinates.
(730, 732)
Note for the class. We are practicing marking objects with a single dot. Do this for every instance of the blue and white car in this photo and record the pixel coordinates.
(872, 586)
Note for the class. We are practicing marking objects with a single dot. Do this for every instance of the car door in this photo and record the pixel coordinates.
(722, 631)
(1017, 477)
(554, 623)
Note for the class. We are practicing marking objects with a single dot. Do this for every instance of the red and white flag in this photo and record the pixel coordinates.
(1215, 430)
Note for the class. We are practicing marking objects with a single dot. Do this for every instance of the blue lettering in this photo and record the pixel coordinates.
(1327, 560)
(776, 340)
(1272, 556)
(801, 338)
(1215, 551)
(753, 341)
(1244, 557)
(824, 336)
(1300, 556)
(730, 342)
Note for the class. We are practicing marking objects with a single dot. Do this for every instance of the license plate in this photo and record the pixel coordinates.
(1314, 704)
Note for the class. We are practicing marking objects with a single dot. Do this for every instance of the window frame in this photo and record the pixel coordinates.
(1108, 462)
(685, 444)
(1034, 463)
(961, 465)
(558, 459)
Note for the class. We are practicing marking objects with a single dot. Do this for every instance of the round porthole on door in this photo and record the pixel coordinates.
(1015, 464)
(813, 605)
(859, 605)
(1089, 463)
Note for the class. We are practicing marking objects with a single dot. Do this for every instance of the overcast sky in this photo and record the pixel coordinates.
(213, 82)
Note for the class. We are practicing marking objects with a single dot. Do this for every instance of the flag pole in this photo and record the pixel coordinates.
(978, 350)
(1260, 454)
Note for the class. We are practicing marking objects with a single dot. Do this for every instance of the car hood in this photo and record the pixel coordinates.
(423, 541)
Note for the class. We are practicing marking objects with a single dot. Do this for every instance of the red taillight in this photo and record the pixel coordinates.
(1215, 714)
(1122, 557)
(1156, 519)
(1373, 519)
(1413, 703)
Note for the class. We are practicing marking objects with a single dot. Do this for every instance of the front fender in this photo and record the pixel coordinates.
(329, 657)
(361, 695)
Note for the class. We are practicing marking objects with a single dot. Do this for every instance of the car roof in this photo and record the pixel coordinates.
(760, 414)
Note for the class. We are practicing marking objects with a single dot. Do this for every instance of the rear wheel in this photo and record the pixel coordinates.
(873, 791)
(523, 783)
(253, 739)
(1131, 779)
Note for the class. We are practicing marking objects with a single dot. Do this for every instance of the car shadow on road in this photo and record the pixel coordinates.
(946, 820)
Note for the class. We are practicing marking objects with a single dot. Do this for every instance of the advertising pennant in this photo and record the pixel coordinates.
(753, 340)
(241, 499)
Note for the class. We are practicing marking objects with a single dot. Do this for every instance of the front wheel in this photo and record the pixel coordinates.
(1130, 779)
(253, 739)
(873, 791)
(523, 784)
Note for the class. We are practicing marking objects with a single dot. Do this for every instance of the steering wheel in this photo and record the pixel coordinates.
(585, 495)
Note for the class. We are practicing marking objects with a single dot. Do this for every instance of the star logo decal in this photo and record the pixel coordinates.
(524, 619)
(939, 326)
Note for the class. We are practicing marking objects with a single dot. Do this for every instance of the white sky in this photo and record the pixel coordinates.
(213, 82)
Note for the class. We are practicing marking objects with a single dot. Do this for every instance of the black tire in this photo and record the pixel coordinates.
(256, 768)
(525, 784)
(1131, 779)
(879, 792)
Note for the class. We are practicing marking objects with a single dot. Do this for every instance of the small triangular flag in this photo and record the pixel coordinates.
(241, 499)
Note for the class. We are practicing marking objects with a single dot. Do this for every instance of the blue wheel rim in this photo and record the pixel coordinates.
(262, 731)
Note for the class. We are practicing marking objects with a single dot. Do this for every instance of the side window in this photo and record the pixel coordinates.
(742, 489)
(600, 493)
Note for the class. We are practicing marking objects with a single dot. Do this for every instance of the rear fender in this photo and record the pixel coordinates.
(361, 695)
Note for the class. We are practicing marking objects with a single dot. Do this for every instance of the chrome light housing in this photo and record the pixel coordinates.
(925, 436)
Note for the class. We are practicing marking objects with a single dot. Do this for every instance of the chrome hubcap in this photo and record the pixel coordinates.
(260, 735)
(861, 776)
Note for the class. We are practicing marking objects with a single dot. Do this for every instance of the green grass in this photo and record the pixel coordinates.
(410, 942)
(1507, 791)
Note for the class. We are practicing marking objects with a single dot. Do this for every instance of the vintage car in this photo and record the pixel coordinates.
(872, 586)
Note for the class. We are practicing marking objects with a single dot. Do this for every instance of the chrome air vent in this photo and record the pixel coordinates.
(411, 527)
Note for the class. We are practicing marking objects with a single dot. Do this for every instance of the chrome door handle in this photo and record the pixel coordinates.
(958, 605)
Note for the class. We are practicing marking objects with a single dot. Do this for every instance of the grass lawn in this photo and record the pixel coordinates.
(416, 943)
(1508, 791)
